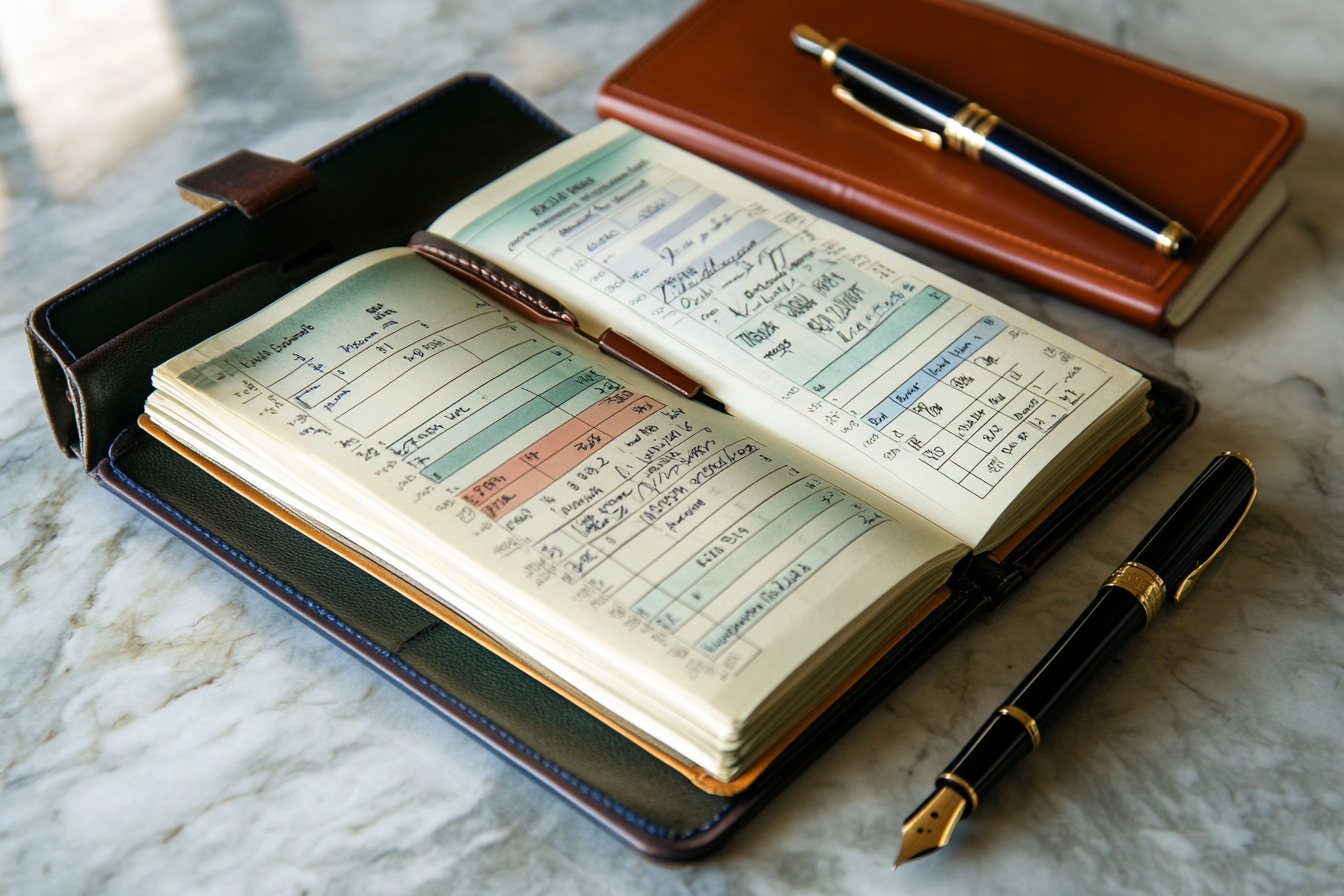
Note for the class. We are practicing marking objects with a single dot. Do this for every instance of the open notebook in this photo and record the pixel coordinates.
(699, 580)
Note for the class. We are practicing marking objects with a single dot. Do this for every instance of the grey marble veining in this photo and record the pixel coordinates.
(165, 730)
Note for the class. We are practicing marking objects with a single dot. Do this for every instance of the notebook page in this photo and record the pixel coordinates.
(633, 543)
(948, 400)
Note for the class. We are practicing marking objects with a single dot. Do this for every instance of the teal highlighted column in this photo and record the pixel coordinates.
(511, 424)
(787, 581)
(883, 336)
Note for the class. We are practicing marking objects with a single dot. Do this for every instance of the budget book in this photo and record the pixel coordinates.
(702, 581)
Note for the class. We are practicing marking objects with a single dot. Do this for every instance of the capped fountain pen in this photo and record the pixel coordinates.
(1170, 559)
(915, 107)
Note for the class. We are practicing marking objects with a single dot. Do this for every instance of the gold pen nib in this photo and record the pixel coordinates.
(930, 827)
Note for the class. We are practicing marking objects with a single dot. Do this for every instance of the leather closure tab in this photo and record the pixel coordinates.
(249, 181)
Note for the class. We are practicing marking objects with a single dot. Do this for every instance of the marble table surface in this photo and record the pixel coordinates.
(165, 730)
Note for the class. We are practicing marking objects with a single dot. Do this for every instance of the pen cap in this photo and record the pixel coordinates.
(1202, 520)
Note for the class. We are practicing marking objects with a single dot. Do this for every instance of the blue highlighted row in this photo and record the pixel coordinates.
(961, 348)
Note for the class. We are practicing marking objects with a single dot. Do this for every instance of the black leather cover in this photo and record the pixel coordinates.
(94, 345)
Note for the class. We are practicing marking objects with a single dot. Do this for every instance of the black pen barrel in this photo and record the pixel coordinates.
(1060, 177)
(1166, 562)
(1089, 644)
(976, 132)
(1204, 517)
(915, 98)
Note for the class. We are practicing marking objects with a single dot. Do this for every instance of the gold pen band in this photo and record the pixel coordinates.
(1021, 715)
(962, 785)
(1143, 583)
(967, 130)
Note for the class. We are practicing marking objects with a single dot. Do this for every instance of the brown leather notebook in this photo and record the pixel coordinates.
(725, 82)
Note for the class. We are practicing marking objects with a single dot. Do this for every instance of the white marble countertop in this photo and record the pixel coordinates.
(165, 730)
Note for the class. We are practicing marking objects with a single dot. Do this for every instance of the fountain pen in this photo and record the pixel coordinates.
(915, 107)
(1170, 559)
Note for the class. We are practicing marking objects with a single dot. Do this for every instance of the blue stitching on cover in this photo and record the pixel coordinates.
(583, 787)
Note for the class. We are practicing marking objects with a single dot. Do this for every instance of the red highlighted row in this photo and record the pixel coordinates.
(558, 452)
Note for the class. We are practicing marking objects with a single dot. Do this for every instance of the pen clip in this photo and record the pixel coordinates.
(929, 138)
(1189, 582)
